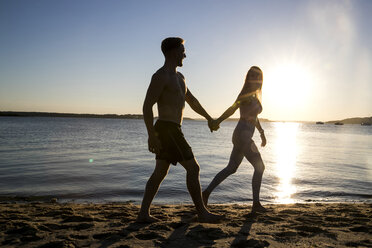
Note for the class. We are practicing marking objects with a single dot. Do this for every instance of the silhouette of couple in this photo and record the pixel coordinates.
(168, 89)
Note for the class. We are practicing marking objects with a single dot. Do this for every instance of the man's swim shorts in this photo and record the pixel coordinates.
(174, 145)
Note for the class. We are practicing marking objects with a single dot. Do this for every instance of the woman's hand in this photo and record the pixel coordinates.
(263, 138)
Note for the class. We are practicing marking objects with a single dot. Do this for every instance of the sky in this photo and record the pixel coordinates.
(98, 56)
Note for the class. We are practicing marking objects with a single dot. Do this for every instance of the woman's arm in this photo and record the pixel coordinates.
(262, 133)
(258, 126)
(229, 112)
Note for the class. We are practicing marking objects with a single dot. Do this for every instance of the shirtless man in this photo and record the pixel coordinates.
(168, 89)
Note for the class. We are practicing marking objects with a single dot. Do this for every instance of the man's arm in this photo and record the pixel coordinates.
(153, 93)
(196, 106)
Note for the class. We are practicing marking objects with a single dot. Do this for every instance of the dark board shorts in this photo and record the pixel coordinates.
(174, 145)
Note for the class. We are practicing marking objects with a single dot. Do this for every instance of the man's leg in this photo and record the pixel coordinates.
(152, 186)
(193, 186)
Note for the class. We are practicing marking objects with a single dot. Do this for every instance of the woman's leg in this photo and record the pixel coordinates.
(236, 158)
(254, 157)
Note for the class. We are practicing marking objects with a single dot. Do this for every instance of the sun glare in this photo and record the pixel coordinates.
(286, 152)
(287, 85)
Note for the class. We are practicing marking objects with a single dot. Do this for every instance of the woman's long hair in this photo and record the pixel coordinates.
(252, 87)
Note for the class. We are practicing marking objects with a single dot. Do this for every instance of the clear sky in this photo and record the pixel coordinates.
(99, 56)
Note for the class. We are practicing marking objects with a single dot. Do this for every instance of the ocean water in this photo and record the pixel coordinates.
(106, 160)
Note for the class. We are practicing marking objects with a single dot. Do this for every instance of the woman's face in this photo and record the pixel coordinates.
(255, 79)
(255, 76)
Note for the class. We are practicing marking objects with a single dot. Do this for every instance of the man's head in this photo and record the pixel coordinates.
(173, 49)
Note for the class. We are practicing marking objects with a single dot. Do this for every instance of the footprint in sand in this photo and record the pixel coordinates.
(286, 234)
(106, 235)
(54, 244)
(163, 227)
(82, 226)
(176, 225)
(290, 211)
(310, 229)
(77, 218)
(361, 229)
(54, 227)
(250, 243)
(77, 236)
(199, 232)
(150, 236)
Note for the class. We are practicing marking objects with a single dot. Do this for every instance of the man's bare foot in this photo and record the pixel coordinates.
(205, 196)
(258, 208)
(210, 218)
(146, 219)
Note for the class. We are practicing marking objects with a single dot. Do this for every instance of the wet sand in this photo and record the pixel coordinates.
(113, 225)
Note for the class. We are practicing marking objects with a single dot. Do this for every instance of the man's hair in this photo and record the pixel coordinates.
(171, 43)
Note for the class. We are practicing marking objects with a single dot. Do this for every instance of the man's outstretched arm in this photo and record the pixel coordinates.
(153, 93)
(196, 106)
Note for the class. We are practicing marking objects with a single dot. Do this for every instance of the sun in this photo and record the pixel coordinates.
(287, 84)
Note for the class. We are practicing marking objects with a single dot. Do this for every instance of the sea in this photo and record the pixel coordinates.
(99, 160)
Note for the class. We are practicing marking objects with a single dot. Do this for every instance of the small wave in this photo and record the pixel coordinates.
(334, 194)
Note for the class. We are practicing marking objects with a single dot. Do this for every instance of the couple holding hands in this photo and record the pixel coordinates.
(168, 89)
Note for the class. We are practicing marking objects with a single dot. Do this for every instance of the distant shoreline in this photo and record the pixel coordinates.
(72, 115)
(104, 116)
(355, 120)
(52, 114)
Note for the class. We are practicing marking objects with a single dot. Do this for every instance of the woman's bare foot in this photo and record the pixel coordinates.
(210, 218)
(258, 208)
(205, 196)
(146, 219)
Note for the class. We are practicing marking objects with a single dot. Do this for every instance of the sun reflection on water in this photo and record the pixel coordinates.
(285, 167)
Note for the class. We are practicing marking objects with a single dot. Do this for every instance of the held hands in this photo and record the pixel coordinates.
(213, 125)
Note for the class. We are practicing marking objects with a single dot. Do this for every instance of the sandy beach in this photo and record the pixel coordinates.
(40, 224)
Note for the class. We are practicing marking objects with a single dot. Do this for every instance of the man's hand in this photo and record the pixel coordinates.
(263, 138)
(213, 125)
(154, 144)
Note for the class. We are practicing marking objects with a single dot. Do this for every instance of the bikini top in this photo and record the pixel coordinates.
(250, 108)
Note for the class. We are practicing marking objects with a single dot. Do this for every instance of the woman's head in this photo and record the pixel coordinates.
(253, 80)
(254, 77)
(253, 83)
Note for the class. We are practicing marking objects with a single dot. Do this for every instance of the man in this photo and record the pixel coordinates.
(168, 89)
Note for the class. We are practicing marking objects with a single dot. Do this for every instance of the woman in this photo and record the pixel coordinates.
(249, 103)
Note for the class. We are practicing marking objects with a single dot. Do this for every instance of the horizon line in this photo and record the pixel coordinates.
(29, 114)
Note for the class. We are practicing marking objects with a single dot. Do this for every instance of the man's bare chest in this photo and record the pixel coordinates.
(175, 88)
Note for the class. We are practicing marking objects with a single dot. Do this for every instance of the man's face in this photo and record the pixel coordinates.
(180, 55)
